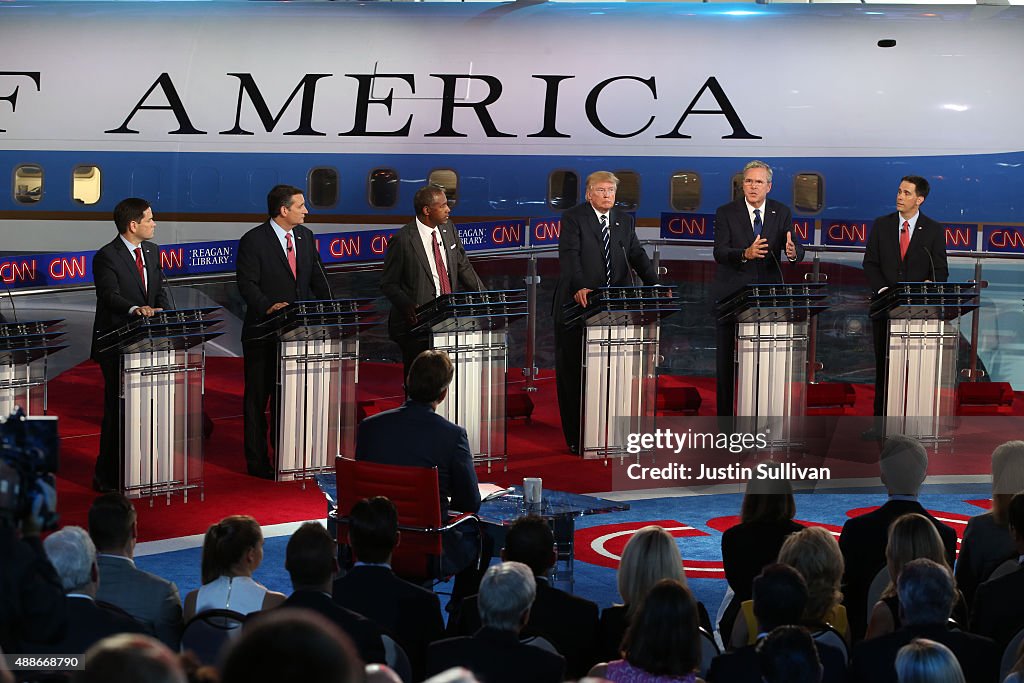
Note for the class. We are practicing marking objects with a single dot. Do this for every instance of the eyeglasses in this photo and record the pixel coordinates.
(603, 191)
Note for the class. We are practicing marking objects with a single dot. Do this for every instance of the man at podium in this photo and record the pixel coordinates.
(128, 281)
(904, 246)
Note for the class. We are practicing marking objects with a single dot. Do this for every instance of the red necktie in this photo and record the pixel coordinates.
(142, 269)
(291, 252)
(904, 240)
(442, 272)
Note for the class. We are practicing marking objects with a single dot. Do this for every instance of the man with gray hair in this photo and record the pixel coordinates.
(926, 595)
(494, 653)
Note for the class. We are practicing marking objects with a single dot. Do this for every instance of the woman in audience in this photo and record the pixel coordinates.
(814, 553)
(649, 556)
(911, 537)
(925, 661)
(987, 542)
(232, 550)
(662, 643)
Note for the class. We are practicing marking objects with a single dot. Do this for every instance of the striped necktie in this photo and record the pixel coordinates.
(606, 238)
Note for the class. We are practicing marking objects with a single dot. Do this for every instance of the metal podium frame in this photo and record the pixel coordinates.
(25, 348)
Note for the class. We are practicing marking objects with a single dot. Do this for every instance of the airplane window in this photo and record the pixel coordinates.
(86, 184)
(563, 190)
(684, 192)
(449, 180)
(323, 188)
(203, 186)
(28, 184)
(628, 195)
(808, 192)
(737, 186)
(383, 184)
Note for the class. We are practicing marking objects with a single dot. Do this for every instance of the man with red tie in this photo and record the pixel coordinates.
(905, 246)
(277, 264)
(128, 282)
(424, 260)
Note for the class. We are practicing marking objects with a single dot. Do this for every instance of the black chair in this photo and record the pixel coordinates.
(207, 632)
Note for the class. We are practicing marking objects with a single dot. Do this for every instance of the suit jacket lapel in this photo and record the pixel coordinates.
(743, 218)
(447, 244)
(275, 245)
(152, 255)
(419, 250)
(129, 260)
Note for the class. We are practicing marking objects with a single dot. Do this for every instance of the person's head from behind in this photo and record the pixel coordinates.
(815, 553)
(926, 593)
(780, 597)
(373, 529)
(232, 547)
(1007, 477)
(529, 540)
(112, 520)
(650, 555)
(311, 557)
(73, 556)
(911, 536)
(662, 637)
(291, 645)
(506, 595)
(788, 655)
(131, 658)
(926, 661)
(429, 376)
(768, 500)
(904, 465)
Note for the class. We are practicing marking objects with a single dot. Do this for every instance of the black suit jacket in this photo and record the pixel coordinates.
(998, 610)
(265, 279)
(882, 265)
(496, 657)
(874, 660)
(406, 280)
(581, 254)
(119, 287)
(863, 543)
(744, 666)
(88, 623)
(734, 233)
(748, 547)
(364, 633)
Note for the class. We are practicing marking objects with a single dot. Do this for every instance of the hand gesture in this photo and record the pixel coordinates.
(759, 249)
(790, 247)
(580, 297)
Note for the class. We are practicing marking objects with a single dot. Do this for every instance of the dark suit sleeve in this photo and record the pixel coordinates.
(108, 285)
(638, 258)
(938, 252)
(317, 277)
(248, 273)
(873, 260)
(723, 252)
(391, 274)
(465, 487)
(569, 254)
(787, 229)
(170, 623)
(464, 269)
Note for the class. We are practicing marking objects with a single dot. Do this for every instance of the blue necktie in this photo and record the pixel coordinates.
(606, 237)
(757, 223)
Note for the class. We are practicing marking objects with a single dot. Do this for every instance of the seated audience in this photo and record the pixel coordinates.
(814, 553)
(494, 653)
(662, 642)
(232, 551)
(999, 604)
(987, 542)
(788, 655)
(568, 622)
(904, 465)
(650, 555)
(152, 600)
(130, 658)
(409, 613)
(911, 537)
(926, 598)
(292, 646)
(925, 661)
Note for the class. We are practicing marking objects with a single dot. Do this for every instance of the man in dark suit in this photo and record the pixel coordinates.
(568, 622)
(998, 610)
(150, 599)
(411, 614)
(494, 653)
(904, 465)
(751, 234)
(926, 598)
(128, 281)
(905, 246)
(278, 264)
(597, 247)
(424, 260)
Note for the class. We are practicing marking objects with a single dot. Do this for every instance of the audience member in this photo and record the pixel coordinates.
(925, 661)
(926, 599)
(131, 658)
(999, 604)
(987, 542)
(456, 674)
(662, 642)
(650, 555)
(232, 551)
(911, 537)
(148, 598)
(494, 653)
(568, 622)
(292, 645)
(788, 655)
(410, 613)
(904, 465)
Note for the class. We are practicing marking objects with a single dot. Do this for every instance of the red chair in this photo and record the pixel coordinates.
(419, 556)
